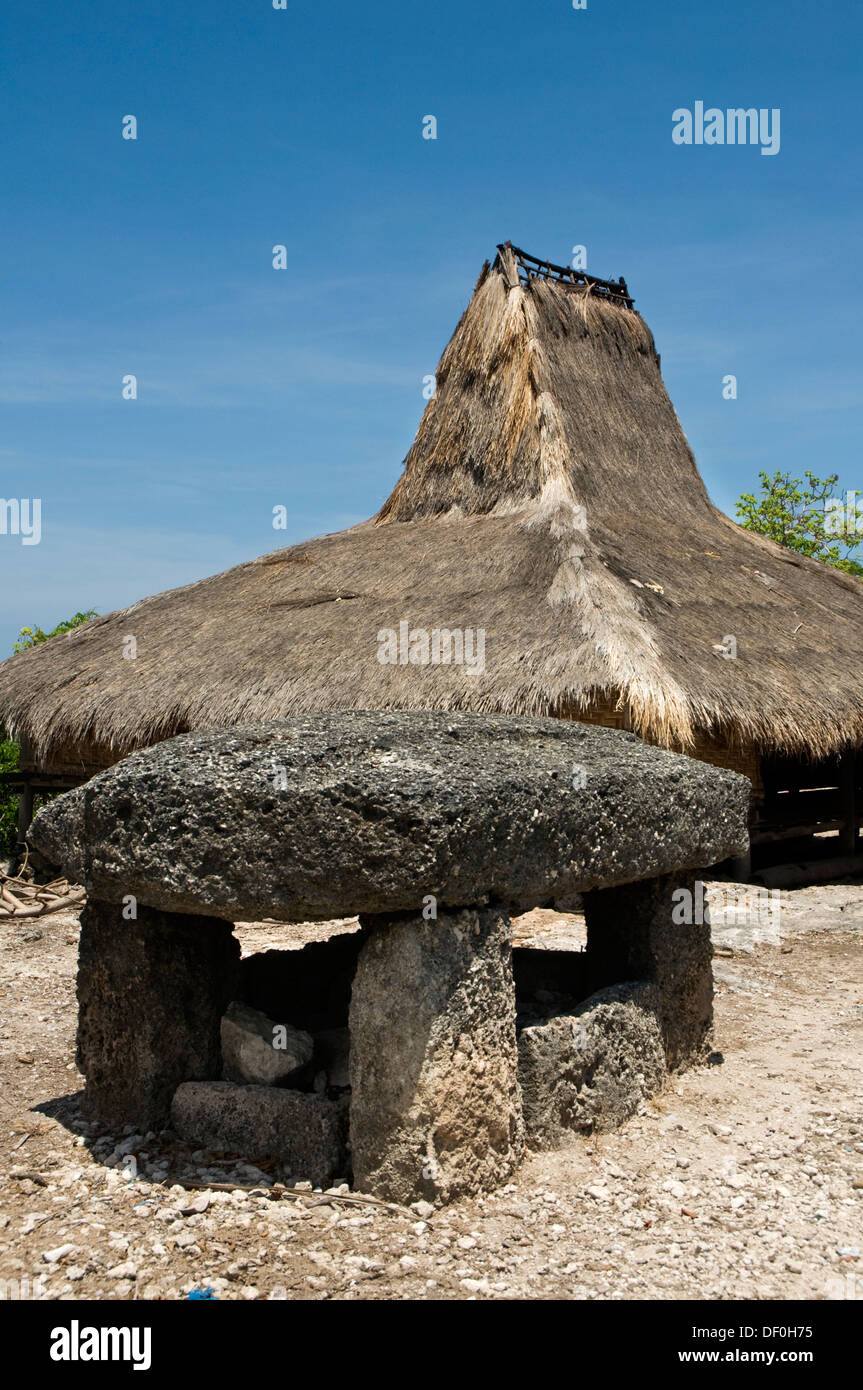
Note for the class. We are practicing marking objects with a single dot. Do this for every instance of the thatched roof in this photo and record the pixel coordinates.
(550, 499)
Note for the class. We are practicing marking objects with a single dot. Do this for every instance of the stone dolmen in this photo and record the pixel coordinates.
(416, 1052)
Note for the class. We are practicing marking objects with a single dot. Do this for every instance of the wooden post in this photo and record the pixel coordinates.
(509, 265)
(25, 795)
(25, 813)
(848, 839)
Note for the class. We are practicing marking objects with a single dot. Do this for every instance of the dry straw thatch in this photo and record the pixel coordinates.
(551, 499)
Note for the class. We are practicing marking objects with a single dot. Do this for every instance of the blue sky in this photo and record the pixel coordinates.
(303, 127)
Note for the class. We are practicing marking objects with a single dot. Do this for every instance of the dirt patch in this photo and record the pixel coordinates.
(744, 1179)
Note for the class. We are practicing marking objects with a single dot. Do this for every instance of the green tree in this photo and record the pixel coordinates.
(808, 515)
(9, 751)
(34, 636)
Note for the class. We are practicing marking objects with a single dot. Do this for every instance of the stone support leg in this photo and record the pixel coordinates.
(151, 993)
(639, 932)
(435, 1100)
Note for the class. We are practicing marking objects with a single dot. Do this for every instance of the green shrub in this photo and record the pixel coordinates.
(9, 751)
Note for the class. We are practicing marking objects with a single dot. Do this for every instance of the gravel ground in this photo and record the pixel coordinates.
(744, 1179)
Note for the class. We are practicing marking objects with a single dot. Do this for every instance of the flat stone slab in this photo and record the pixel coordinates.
(317, 817)
(307, 1134)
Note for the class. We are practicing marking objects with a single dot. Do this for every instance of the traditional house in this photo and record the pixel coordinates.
(550, 548)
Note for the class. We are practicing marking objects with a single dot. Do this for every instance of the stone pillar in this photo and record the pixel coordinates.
(435, 1100)
(636, 933)
(151, 993)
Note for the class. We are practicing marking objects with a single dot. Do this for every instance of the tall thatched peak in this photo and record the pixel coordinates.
(549, 406)
(549, 390)
(549, 506)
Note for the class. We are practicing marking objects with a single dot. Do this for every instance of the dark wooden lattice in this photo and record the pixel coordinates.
(530, 268)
